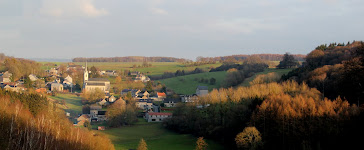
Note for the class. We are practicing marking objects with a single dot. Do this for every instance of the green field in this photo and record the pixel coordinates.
(187, 84)
(73, 103)
(156, 137)
(157, 68)
(269, 70)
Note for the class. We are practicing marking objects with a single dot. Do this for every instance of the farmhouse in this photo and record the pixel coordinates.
(202, 90)
(91, 84)
(33, 77)
(188, 98)
(68, 81)
(5, 77)
(161, 95)
(57, 87)
(170, 102)
(144, 103)
(157, 117)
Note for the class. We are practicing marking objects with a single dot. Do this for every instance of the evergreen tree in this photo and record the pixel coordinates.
(142, 145)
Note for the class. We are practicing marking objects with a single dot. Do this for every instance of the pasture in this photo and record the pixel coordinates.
(155, 135)
(187, 84)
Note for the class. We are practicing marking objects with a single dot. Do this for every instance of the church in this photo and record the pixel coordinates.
(91, 84)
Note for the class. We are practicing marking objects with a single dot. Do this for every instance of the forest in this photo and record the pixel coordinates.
(306, 109)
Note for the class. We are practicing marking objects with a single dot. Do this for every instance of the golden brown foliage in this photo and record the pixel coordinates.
(265, 78)
(249, 139)
(201, 144)
(142, 145)
(48, 130)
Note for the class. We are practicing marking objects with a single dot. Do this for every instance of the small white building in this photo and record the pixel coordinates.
(202, 90)
(57, 87)
(33, 77)
(156, 116)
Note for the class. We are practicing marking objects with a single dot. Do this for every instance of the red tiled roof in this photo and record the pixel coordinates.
(156, 113)
(161, 94)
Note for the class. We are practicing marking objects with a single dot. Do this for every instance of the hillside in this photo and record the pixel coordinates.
(129, 59)
(187, 84)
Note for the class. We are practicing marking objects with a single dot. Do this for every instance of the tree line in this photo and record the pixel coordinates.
(129, 59)
(267, 57)
(179, 72)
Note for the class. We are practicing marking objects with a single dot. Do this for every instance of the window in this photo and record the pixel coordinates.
(153, 119)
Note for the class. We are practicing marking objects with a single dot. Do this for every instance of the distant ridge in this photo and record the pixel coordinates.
(129, 59)
(50, 59)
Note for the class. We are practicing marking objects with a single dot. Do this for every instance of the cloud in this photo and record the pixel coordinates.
(159, 11)
(243, 25)
(71, 8)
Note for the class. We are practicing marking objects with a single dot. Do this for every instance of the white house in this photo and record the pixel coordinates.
(33, 77)
(57, 87)
(157, 117)
(202, 90)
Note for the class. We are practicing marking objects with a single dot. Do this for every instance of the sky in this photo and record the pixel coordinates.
(174, 28)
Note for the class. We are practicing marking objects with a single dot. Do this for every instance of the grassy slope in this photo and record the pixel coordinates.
(188, 85)
(269, 70)
(155, 135)
(73, 103)
(157, 68)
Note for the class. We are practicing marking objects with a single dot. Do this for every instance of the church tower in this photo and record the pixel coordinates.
(85, 75)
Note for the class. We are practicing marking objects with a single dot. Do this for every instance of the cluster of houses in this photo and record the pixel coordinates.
(153, 112)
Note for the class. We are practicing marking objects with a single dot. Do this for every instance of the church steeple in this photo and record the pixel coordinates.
(85, 74)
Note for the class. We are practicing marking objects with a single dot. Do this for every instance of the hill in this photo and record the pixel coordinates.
(187, 84)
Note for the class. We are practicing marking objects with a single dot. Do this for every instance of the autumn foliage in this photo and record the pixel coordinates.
(48, 129)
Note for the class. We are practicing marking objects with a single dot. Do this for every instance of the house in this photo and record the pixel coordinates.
(143, 95)
(103, 102)
(57, 87)
(110, 73)
(135, 73)
(202, 90)
(5, 77)
(144, 103)
(83, 117)
(161, 95)
(134, 92)
(94, 110)
(101, 115)
(188, 98)
(53, 71)
(33, 77)
(13, 87)
(170, 102)
(142, 78)
(157, 117)
(91, 84)
(68, 81)
(112, 99)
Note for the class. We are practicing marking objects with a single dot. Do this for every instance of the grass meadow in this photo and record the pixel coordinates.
(73, 103)
(156, 137)
(187, 84)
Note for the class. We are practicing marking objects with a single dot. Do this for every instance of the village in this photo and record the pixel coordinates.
(152, 106)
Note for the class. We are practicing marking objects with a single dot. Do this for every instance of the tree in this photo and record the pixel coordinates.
(28, 83)
(201, 144)
(94, 73)
(149, 86)
(212, 81)
(249, 139)
(118, 80)
(87, 124)
(142, 145)
(288, 62)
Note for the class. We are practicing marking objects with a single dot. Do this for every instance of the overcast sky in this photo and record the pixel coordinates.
(177, 28)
